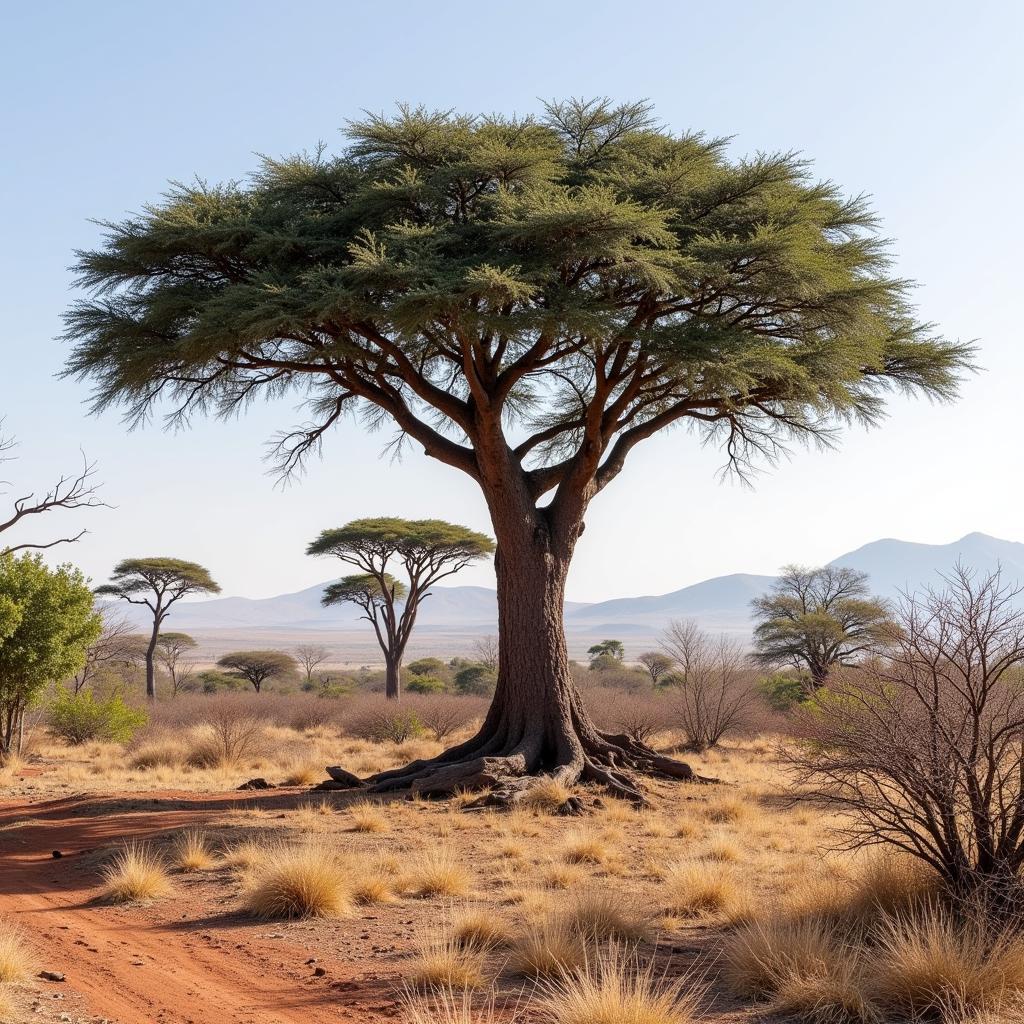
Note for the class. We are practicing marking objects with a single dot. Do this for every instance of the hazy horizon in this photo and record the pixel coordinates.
(913, 104)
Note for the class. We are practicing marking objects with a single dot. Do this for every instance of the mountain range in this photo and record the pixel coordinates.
(720, 604)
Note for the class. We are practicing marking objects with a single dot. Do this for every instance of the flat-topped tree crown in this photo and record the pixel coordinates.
(156, 583)
(527, 299)
(428, 550)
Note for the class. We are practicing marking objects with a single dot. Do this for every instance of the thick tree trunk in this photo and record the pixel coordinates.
(392, 678)
(537, 724)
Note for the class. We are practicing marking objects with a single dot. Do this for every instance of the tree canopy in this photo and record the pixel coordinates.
(816, 619)
(259, 666)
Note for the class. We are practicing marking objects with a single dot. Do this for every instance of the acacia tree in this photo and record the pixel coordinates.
(170, 650)
(428, 550)
(156, 583)
(310, 657)
(656, 664)
(818, 619)
(259, 666)
(71, 491)
(527, 300)
(47, 623)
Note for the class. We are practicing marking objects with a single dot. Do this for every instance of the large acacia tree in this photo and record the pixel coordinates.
(428, 550)
(526, 300)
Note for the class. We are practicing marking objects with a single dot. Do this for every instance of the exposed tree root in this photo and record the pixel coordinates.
(505, 772)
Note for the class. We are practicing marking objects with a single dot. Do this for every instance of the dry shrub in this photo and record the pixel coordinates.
(159, 752)
(694, 887)
(479, 928)
(932, 964)
(443, 714)
(615, 989)
(599, 916)
(298, 881)
(230, 735)
(16, 960)
(832, 993)
(640, 715)
(191, 852)
(438, 871)
(547, 795)
(367, 816)
(549, 946)
(136, 873)
(442, 962)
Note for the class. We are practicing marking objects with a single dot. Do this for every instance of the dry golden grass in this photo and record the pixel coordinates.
(617, 990)
(135, 874)
(931, 963)
(831, 993)
(16, 958)
(548, 946)
(246, 855)
(442, 962)
(367, 816)
(443, 1006)
(583, 846)
(479, 928)
(599, 916)
(303, 773)
(438, 871)
(298, 881)
(191, 852)
(694, 887)
(557, 875)
(546, 795)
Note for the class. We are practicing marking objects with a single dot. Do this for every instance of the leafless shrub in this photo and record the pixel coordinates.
(442, 715)
(924, 749)
(716, 694)
(638, 715)
(232, 734)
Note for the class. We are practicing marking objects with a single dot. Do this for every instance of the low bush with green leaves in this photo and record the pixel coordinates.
(80, 717)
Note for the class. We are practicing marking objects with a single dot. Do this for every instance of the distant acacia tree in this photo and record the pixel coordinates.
(526, 300)
(818, 619)
(259, 666)
(608, 649)
(156, 583)
(428, 550)
(310, 657)
(47, 623)
(171, 649)
(657, 665)
(71, 491)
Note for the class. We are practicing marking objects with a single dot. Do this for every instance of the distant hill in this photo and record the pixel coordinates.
(721, 604)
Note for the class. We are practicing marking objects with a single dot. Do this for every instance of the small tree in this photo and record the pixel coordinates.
(310, 657)
(657, 664)
(171, 649)
(428, 550)
(47, 623)
(923, 748)
(818, 619)
(71, 491)
(716, 692)
(157, 583)
(259, 666)
(117, 644)
(608, 649)
(485, 650)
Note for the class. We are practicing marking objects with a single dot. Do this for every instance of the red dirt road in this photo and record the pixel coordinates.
(183, 960)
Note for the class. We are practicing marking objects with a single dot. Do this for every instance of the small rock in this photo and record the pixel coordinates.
(257, 783)
(51, 976)
(319, 972)
(56, 855)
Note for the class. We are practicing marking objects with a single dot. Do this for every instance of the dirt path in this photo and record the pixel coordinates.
(179, 962)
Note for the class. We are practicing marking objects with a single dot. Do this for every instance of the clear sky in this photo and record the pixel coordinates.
(918, 103)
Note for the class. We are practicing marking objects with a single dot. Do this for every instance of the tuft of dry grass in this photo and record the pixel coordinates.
(931, 963)
(438, 871)
(442, 962)
(367, 816)
(617, 990)
(16, 960)
(479, 928)
(298, 881)
(135, 874)
(585, 847)
(561, 876)
(694, 887)
(246, 855)
(547, 795)
(443, 1006)
(832, 993)
(599, 916)
(549, 946)
(191, 852)
(303, 773)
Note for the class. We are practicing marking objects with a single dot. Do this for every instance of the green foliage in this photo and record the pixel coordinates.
(389, 724)
(259, 667)
(213, 681)
(369, 542)
(475, 679)
(426, 684)
(427, 667)
(611, 650)
(817, 619)
(134, 577)
(364, 590)
(783, 692)
(80, 717)
(49, 631)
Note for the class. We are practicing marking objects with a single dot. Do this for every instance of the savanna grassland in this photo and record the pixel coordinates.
(178, 898)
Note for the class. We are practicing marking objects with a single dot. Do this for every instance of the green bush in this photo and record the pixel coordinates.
(476, 680)
(79, 717)
(426, 667)
(782, 691)
(215, 681)
(426, 684)
(385, 724)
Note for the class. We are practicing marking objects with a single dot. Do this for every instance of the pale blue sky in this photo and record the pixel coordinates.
(918, 103)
